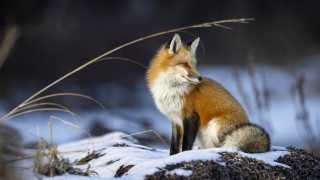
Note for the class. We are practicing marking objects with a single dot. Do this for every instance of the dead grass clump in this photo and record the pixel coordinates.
(48, 162)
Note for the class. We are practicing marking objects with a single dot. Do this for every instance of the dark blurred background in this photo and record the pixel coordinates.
(57, 36)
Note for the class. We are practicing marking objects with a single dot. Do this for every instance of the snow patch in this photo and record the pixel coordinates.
(117, 151)
(180, 172)
(270, 156)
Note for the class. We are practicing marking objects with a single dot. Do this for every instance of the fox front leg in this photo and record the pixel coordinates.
(176, 138)
(190, 129)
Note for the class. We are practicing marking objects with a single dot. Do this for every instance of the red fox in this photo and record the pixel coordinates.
(200, 109)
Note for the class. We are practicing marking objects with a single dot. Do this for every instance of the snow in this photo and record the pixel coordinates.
(151, 166)
(146, 160)
(180, 172)
(70, 177)
(271, 156)
(281, 115)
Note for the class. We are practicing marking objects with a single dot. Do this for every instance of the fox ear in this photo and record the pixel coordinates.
(174, 44)
(194, 44)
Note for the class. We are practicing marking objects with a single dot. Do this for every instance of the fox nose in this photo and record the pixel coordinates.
(200, 78)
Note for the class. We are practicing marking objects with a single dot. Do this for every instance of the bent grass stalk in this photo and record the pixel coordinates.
(208, 24)
(40, 109)
(22, 110)
(76, 95)
(26, 105)
(71, 124)
(75, 116)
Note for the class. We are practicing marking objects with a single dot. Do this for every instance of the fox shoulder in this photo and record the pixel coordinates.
(248, 138)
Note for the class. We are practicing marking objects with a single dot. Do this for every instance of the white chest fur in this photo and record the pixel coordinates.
(167, 95)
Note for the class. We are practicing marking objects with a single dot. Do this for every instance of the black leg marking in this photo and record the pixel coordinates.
(190, 128)
(176, 139)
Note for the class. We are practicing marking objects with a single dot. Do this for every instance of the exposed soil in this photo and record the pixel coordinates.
(89, 157)
(120, 145)
(122, 170)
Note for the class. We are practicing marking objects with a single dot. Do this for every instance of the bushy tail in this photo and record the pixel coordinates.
(247, 138)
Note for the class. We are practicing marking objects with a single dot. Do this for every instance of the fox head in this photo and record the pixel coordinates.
(177, 61)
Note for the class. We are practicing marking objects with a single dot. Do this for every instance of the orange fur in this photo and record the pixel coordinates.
(163, 60)
(211, 101)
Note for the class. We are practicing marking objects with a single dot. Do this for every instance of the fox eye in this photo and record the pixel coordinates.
(186, 64)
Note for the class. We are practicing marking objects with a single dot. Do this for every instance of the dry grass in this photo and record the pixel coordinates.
(261, 95)
(311, 135)
(29, 107)
(261, 104)
(243, 94)
(48, 162)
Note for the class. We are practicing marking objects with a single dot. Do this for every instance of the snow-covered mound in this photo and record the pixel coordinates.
(117, 155)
